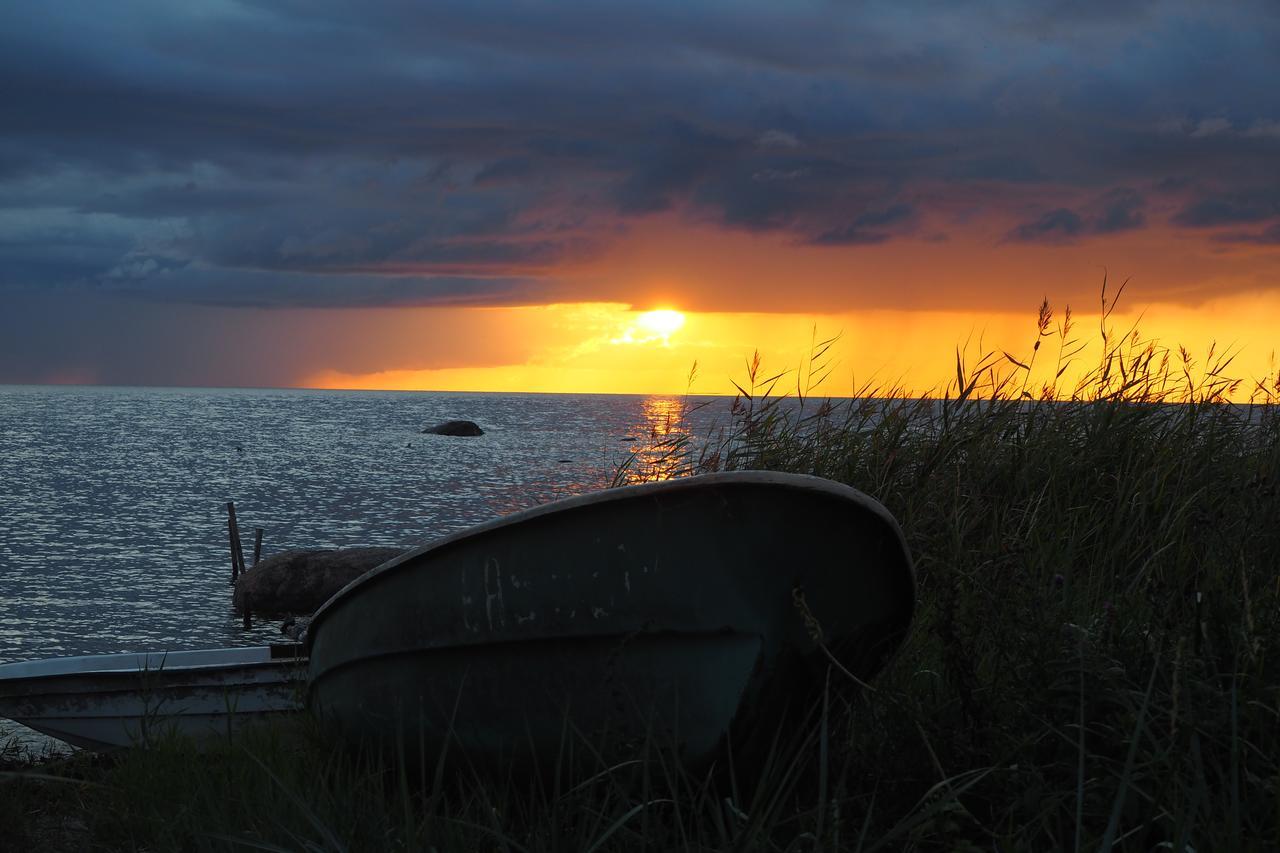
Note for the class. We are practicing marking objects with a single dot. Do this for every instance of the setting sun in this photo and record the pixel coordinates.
(662, 323)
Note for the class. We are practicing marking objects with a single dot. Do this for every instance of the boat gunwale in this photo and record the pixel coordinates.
(8, 686)
(164, 668)
(797, 482)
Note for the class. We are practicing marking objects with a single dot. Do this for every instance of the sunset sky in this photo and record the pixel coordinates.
(461, 195)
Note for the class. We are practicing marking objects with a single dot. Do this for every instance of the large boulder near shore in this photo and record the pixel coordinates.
(301, 580)
(467, 428)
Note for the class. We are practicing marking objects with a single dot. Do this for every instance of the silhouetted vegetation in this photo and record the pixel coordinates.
(1094, 663)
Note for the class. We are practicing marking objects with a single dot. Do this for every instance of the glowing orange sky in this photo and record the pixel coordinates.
(602, 348)
(900, 309)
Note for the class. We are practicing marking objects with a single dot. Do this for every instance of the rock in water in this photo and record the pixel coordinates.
(299, 581)
(455, 428)
(296, 628)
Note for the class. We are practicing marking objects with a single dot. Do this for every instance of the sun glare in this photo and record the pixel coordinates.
(662, 323)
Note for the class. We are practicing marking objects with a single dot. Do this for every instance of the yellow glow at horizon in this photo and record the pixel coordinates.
(608, 348)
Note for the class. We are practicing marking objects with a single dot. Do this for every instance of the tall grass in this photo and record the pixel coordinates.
(1094, 664)
(1099, 568)
(293, 788)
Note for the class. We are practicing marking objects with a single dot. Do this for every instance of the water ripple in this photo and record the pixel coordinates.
(112, 500)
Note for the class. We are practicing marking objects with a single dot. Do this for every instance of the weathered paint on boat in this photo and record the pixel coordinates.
(103, 702)
(662, 609)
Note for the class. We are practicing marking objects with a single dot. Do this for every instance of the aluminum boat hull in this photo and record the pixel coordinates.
(105, 702)
(666, 610)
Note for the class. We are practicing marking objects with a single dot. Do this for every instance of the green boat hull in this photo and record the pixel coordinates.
(672, 611)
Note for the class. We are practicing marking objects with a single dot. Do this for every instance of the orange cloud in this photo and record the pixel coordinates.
(709, 268)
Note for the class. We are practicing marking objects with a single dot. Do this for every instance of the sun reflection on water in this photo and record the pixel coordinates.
(664, 453)
(664, 415)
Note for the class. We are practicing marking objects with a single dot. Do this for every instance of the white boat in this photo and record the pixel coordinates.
(103, 702)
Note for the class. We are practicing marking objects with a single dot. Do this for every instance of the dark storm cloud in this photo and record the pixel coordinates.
(668, 163)
(1122, 210)
(868, 228)
(52, 335)
(1231, 208)
(315, 152)
(270, 289)
(1056, 226)
(1267, 237)
(1114, 212)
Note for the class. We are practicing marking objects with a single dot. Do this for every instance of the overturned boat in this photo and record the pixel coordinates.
(103, 702)
(675, 610)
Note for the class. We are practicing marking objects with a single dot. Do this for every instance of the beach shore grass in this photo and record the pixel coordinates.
(1095, 663)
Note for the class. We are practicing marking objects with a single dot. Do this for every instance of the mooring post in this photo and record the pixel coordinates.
(257, 544)
(233, 537)
(233, 533)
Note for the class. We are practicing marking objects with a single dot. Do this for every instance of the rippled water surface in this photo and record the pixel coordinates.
(113, 533)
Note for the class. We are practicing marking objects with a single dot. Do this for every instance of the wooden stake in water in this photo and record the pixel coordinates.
(237, 552)
(257, 544)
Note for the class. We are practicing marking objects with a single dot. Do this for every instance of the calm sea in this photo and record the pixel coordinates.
(113, 532)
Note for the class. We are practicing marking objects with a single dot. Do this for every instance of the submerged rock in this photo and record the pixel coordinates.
(299, 581)
(466, 428)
